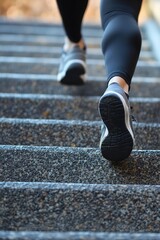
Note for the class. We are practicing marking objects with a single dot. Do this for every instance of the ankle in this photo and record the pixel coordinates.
(68, 45)
(121, 82)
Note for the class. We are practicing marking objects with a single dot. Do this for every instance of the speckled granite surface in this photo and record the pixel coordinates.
(73, 133)
(79, 165)
(47, 84)
(50, 66)
(55, 52)
(77, 236)
(70, 107)
(79, 207)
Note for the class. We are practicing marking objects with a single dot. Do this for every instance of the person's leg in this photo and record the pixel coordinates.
(122, 40)
(72, 12)
(121, 46)
(72, 68)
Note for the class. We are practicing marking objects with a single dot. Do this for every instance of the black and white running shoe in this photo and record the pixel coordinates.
(117, 137)
(72, 67)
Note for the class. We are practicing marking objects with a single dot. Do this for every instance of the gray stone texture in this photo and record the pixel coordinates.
(55, 52)
(71, 133)
(50, 66)
(47, 84)
(79, 165)
(79, 207)
(70, 107)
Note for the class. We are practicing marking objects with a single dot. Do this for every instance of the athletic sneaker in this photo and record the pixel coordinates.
(117, 137)
(72, 67)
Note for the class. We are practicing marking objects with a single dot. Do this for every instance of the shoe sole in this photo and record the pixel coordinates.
(74, 74)
(118, 143)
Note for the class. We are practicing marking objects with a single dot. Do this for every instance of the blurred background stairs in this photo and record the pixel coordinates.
(54, 183)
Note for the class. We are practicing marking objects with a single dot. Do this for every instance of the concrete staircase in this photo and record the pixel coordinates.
(54, 183)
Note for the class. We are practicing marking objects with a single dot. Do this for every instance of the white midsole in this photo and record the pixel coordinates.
(127, 117)
(69, 63)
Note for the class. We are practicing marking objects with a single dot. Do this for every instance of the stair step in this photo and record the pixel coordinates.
(55, 41)
(50, 25)
(69, 107)
(47, 84)
(93, 31)
(78, 165)
(46, 31)
(50, 66)
(42, 23)
(11, 235)
(52, 41)
(79, 207)
(52, 30)
(71, 133)
(55, 52)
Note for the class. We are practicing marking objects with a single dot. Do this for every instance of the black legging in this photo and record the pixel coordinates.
(121, 41)
(72, 12)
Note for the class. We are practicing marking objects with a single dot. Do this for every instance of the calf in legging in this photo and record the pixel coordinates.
(121, 44)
